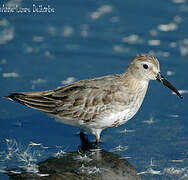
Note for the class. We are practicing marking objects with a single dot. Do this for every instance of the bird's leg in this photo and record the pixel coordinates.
(81, 130)
(97, 135)
(97, 139)
(82, 134)
(85, 143)
(97, 142)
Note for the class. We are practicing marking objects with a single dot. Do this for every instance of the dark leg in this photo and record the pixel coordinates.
(82, 135)
(86, 144)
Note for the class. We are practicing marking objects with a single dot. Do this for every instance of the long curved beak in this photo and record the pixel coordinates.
(161, 79)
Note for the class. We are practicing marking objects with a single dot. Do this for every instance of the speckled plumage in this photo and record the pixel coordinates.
(99, 103)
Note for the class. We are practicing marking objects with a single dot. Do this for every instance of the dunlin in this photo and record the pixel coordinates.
(99, 103)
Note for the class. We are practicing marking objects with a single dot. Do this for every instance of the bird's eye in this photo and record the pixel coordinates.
(145, 66)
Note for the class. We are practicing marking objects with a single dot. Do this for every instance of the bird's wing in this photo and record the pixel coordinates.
(77, 100)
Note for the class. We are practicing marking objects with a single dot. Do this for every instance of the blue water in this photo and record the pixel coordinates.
(86, 39)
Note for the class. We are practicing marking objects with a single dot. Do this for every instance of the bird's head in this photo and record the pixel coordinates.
(146, 67)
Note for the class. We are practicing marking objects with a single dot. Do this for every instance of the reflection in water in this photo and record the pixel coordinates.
(85, 164)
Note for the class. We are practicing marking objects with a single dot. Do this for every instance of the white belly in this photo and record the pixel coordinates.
(112, 119)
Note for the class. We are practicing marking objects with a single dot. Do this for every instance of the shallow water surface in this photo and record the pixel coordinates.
(86, 39)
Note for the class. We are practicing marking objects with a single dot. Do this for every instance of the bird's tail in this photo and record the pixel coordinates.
(36, 100)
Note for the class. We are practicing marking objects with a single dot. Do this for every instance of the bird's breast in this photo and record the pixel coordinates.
(119, 118)
(122, 113)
